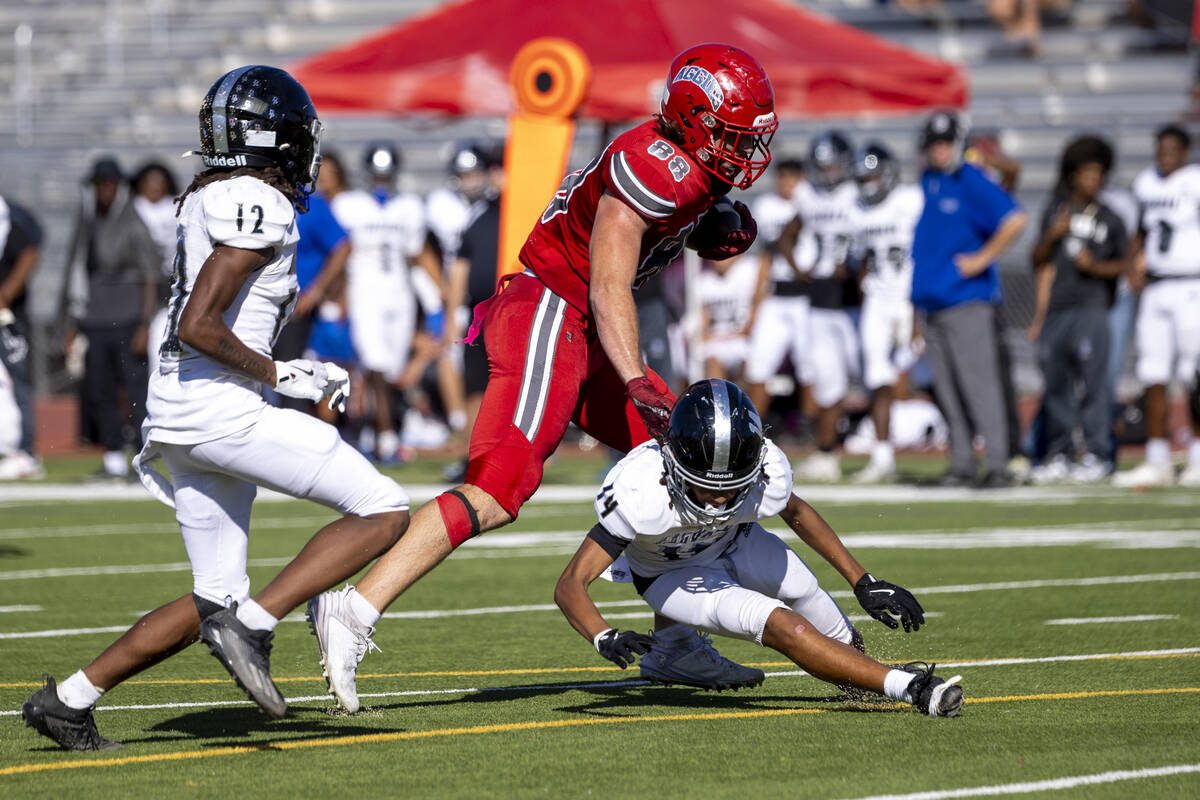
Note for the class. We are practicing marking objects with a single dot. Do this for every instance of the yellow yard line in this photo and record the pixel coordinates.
(377, 738)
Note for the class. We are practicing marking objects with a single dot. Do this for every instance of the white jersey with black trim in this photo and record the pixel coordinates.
(192, 398)
(825, 217)
(635, 506)
(772, 212)
(726, 299)
(1170, 217)
(385, 237)
(882, 240)
(448, 214)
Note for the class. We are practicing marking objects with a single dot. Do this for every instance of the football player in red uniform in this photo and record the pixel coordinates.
(562, 335)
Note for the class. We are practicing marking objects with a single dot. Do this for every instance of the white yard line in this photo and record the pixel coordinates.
(29, 493)
(151, 528)
(1054, 784)
(15, 609)
(1095, 620)
(633, 682)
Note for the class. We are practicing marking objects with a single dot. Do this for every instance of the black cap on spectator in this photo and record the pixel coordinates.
(105, 168)
(943, 126)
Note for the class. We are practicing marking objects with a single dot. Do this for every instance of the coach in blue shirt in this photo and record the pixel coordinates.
(968, 222)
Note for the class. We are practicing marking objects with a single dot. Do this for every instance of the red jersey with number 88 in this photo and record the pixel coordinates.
(642, 169)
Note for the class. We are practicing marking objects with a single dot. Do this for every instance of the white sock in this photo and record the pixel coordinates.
(883, 454)
(252, 615)
(1194, 453)
(457, 420)
(1158, 452)
(387, 444)
(895, 684)
(673, 633)
(78, 692)
(362, 609)
(115, 463)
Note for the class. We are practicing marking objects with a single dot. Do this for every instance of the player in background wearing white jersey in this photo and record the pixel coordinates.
(726, 291)
(883, 225)
(824, 204)
(1165, 265)
(684, 517)
(233, 290)
(779, 316)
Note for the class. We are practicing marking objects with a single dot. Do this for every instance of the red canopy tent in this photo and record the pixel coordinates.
(455, 60)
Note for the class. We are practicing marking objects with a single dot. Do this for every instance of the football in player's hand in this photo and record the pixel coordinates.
(725, 230)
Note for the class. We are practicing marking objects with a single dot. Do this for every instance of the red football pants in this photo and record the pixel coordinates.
(546, 370)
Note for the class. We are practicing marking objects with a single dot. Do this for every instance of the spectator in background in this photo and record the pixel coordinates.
(20, 240)
(1165, 266)
(321, 256)
(983, 150)
(1078, 258)
(154, 191)
(114, 272)
(966, 224)
(1021, 20)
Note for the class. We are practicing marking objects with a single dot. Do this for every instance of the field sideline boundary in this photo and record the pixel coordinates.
(511, 727)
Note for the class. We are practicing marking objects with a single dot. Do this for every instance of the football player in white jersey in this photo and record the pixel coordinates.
(883, 225)
(233, 290)
(726, 291)
(685, 518)
(824, 205)
(779, 316)
(1166, 266)
(386, 235)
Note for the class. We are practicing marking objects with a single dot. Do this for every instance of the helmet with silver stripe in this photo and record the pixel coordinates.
(260, 116)
(714, 443)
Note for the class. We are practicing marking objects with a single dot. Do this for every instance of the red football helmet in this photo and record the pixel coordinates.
(719, 100)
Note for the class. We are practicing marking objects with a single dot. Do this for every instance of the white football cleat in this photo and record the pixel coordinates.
(693, 661)
(1056, 470)
(1145, 474)
(21, 466)
(875, 473)
(1190, 477)
(820, 467)
(342, 640)
(1090, 469)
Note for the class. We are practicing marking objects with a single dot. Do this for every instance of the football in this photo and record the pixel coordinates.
(723, 216)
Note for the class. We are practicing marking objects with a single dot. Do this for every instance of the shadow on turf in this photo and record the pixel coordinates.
(225, 727)
(12, 551)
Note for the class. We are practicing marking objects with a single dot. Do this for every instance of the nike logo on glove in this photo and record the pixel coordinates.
(882, 591)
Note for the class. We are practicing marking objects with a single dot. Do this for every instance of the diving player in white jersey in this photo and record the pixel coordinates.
(684, 518)
(1166, 266)
(883, 223)
(824, 205)
(780, 317)
(726, 292)
(233, 290)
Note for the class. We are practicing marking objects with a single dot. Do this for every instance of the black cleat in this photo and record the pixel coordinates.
(70, 728)
(933, 695)
(246, 654)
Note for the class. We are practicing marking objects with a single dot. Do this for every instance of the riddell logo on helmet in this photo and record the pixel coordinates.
(224, 161)
(718, 475)
(705, 80)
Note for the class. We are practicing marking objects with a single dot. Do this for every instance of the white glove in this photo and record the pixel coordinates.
(313, 380)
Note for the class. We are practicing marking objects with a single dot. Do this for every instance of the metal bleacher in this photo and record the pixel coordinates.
(125, 77)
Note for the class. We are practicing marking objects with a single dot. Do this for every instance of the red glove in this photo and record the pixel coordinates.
(719, 239)
(653, 405)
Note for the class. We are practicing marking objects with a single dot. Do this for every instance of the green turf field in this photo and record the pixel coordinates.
(1072, 615)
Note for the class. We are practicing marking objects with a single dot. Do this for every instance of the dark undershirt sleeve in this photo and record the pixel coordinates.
(608, 543)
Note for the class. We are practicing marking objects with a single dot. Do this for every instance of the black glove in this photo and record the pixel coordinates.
(620, 647)
(879, 597)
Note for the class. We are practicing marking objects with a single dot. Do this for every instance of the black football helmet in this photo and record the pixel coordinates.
(875, 173)
(715, 442)
(829, 160)
(259, 116)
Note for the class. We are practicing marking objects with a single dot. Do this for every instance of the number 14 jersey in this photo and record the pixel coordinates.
(192, 398)
(648, 173)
